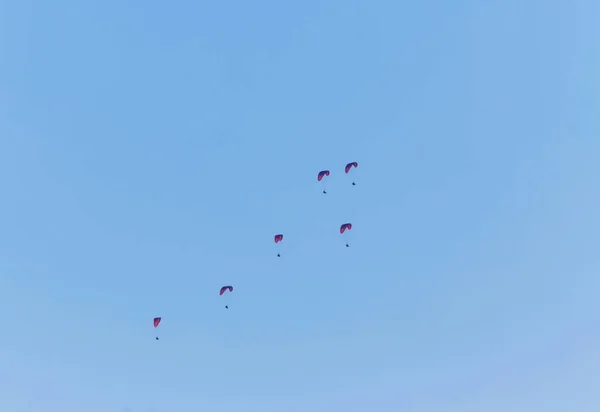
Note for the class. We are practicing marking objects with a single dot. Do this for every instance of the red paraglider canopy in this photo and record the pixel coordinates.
(225, 288)
(345, 226)
(349, 166)
(157, 321)
(321, 174)
(278, 238)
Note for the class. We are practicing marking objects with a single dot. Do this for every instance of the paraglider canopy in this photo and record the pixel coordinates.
(350, 166)
(322, 174)
(345, 226)
(278, 238)
(226, 288)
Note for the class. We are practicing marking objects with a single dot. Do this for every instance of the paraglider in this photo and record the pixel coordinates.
(225, 289)
(350, 166)
(156, 323)
(343, 228)
(278, 238)
(320, 176)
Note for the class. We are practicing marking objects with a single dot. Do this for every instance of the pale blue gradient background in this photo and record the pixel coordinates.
(150, 151)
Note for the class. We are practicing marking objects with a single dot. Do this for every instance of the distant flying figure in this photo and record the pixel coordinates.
(350, 166)
(225, 289)
(278, 238)
(343, 228)
(156, 323)
(320, 177)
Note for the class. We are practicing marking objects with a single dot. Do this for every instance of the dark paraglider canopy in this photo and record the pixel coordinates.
(226, 288)
(350, 166)
(344, 227)
(322, 174)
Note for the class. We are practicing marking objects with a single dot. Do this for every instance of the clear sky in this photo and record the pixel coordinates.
(150, 150)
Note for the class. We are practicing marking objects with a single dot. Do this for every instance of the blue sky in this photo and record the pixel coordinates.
(150, 151)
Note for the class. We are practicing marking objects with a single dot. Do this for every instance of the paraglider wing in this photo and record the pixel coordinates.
(322, 174)
(350, 165)
(157, 321)
(345, 226)
(225, 288)
(278, 238)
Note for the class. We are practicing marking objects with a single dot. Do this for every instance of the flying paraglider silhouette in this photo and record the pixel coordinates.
(350, 166)
(343, 228)
(320, 177)
(225, 289)
(278, 238)
(156, 323)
